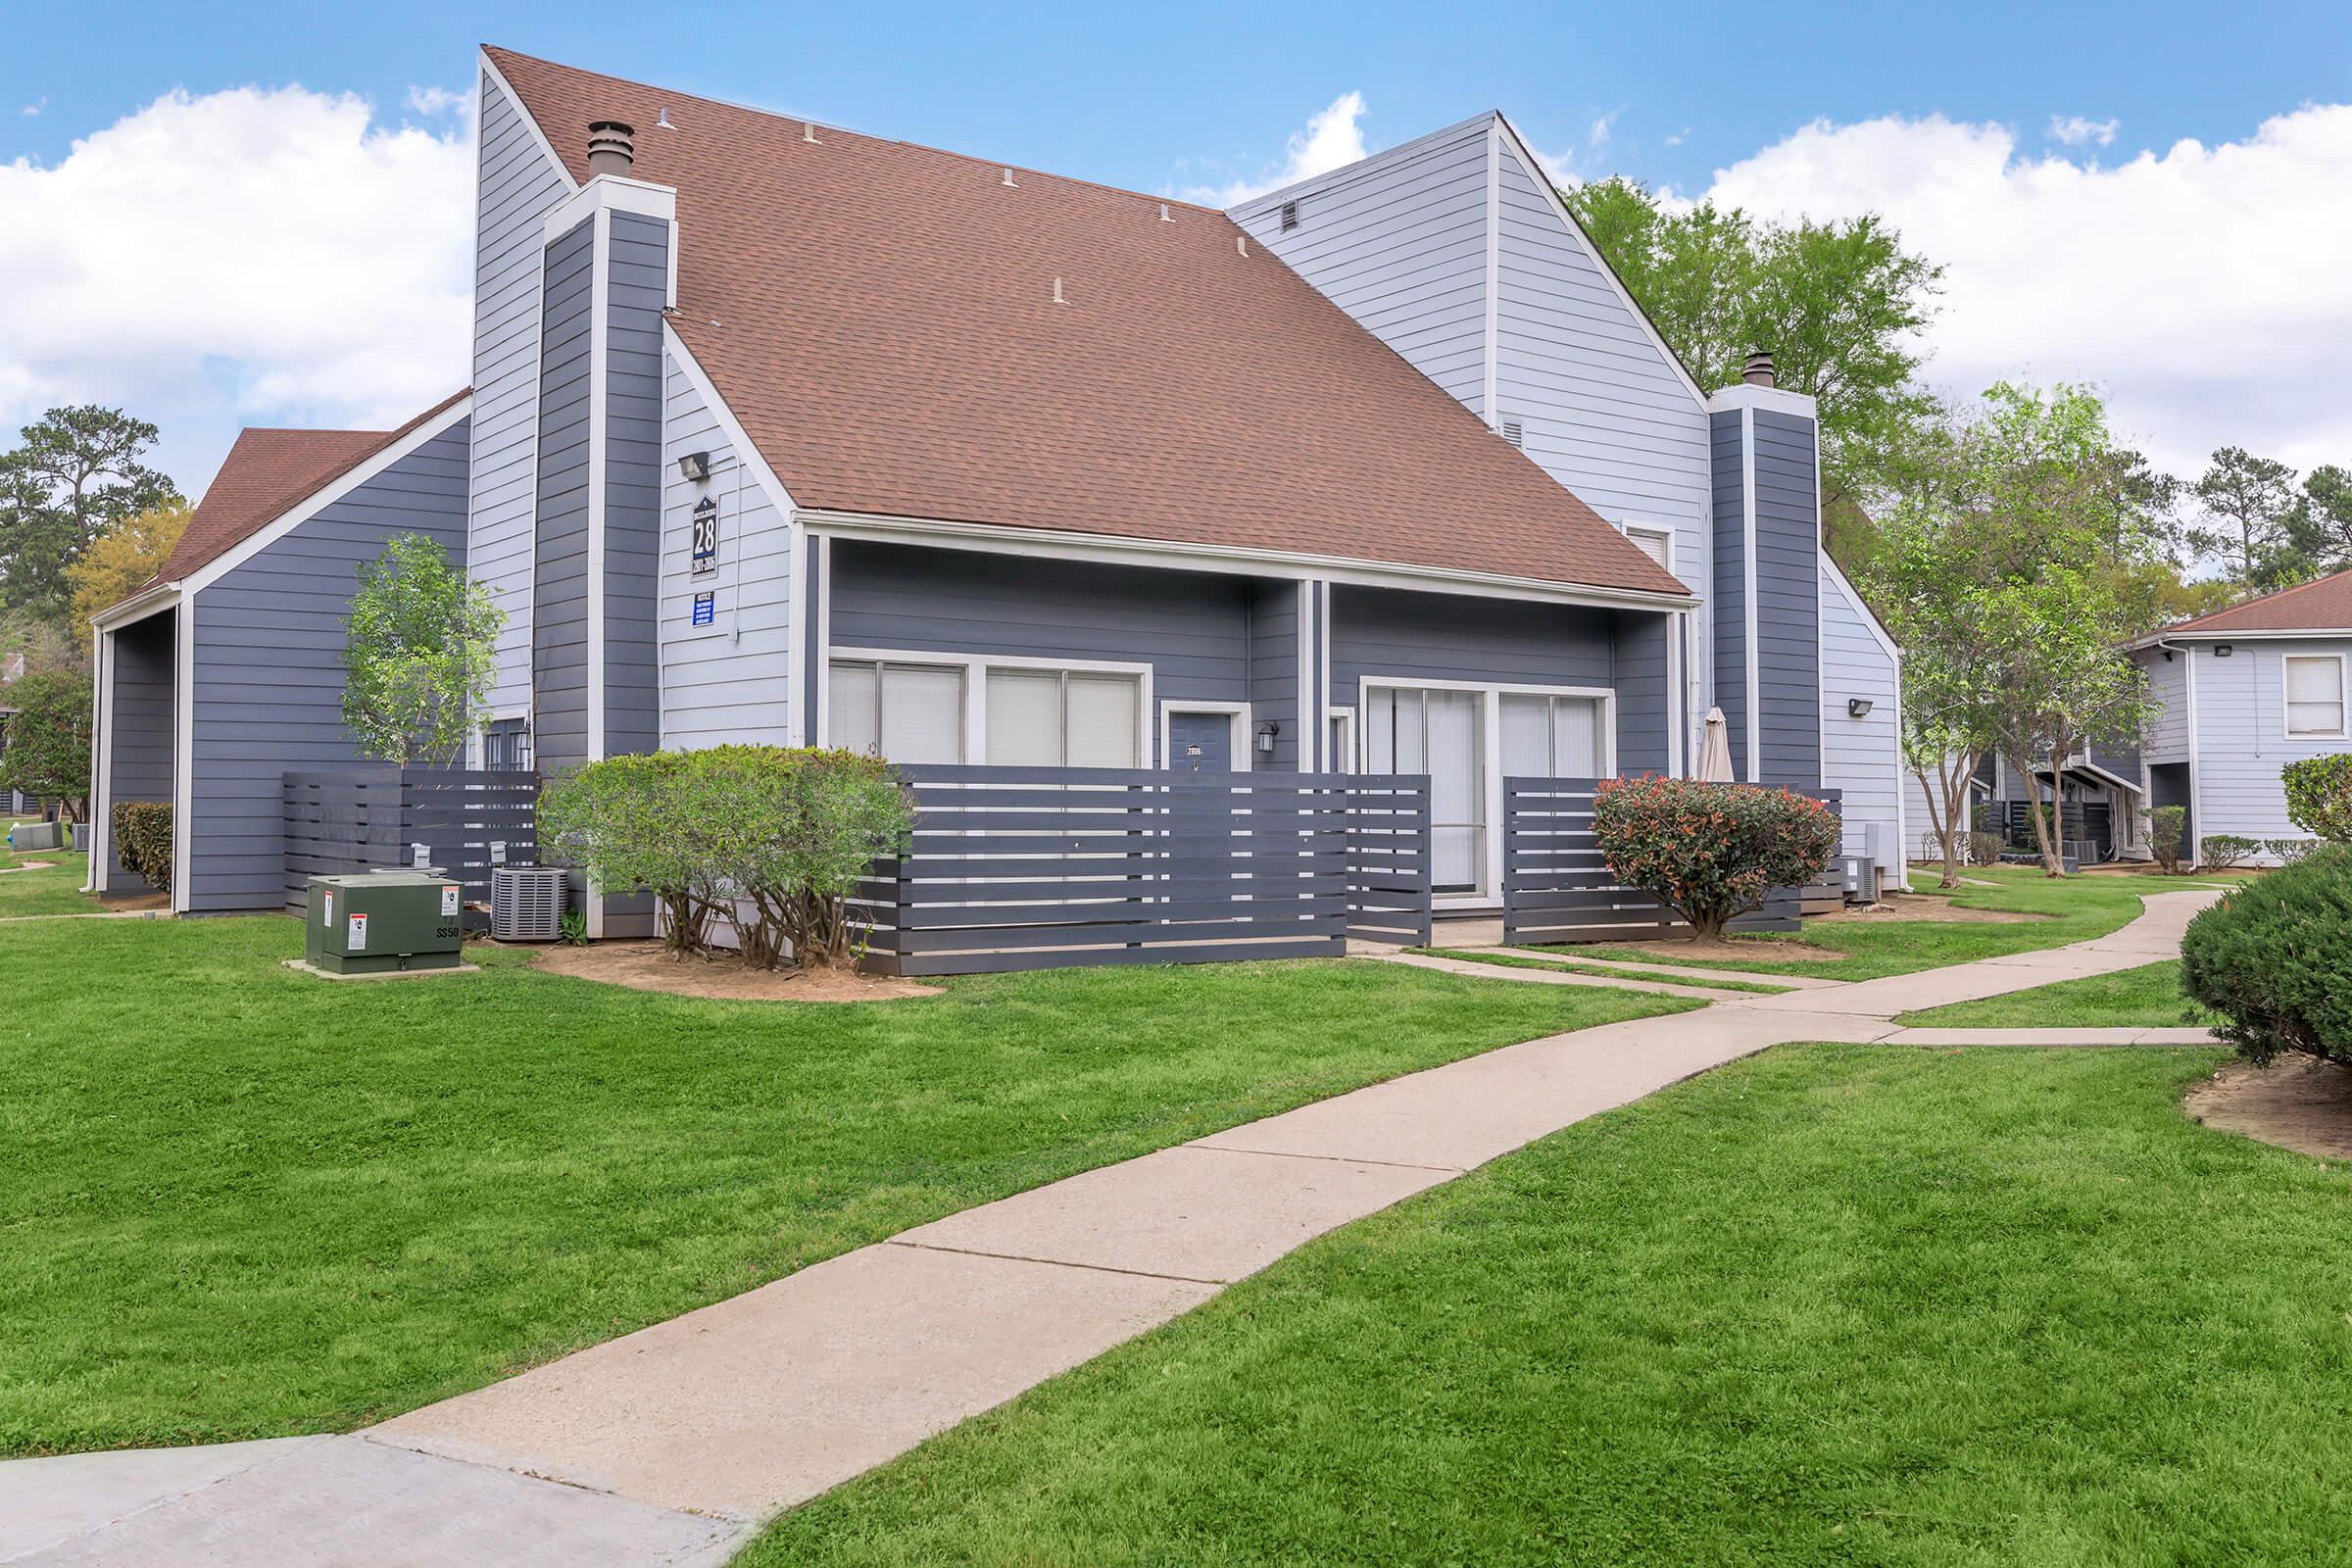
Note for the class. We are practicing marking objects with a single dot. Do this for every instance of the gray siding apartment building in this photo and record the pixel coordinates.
(782, 433)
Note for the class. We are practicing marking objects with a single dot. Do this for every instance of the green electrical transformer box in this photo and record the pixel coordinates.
(379, 921)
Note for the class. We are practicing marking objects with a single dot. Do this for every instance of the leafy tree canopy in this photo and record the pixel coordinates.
(123, 557)
(75, 474)
(1838, 306)
(48, 737)
(416, 652)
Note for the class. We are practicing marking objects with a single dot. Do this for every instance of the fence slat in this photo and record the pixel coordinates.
(365, 819)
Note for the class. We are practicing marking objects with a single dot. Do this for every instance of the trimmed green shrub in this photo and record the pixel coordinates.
(2319, 796)
(2219, 852)
(2168, 825)
(142, 831)
(1983, 848)
(2293, 851)
(2273, 958)
(1710, 852)
(770, 840)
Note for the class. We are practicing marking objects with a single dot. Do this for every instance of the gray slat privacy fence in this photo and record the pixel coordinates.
(1388, 858)
(1045, 867)
(1557, 887)
(365, 819)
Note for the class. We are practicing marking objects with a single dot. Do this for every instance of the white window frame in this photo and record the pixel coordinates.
(964, 694)
(1491, 742)
(1349, 760)
(975, 689)
(2344, 697)
(1243, 737)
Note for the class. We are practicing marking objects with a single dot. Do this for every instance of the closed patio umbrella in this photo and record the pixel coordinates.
(1715, 749)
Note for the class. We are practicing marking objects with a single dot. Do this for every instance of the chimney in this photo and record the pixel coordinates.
(612, 148)
(1757, 372)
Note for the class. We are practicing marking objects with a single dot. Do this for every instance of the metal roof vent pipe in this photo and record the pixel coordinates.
(612, 148)
(1757, 372)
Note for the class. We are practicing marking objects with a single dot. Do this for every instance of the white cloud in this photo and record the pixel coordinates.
(438, 100)
(1333, 138)
(1679, 137)
(245, 257)
(2075, 132)
(33, 108)
(2202, 287)
(1599, 136)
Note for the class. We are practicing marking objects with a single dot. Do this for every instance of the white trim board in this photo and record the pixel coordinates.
(1175, 555)
(2344, 697)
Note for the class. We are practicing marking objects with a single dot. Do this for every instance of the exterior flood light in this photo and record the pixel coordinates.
(2223, 649)
(1857, 707)
(695, 466)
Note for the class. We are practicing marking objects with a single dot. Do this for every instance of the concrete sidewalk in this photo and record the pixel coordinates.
(670, 1446)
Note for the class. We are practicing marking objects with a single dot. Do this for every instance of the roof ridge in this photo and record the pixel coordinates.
(973, 159)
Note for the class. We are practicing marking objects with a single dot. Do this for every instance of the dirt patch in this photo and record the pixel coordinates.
(1745, 952)
(2298, 1102)
(29, 865)
(648, 966)
(1921, 906)
(141, 901)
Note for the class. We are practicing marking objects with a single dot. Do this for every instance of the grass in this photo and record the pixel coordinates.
(2076, 908)
(2146, 998)
(244, 1203)
(1513, 960)
(54, 890)
(1830, 1304)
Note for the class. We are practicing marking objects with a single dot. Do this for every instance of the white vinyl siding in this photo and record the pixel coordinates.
(2313, 685)
(2243, 716)
(1862, 757)
(516, 185)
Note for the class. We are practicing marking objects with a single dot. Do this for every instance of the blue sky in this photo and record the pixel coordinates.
(2040, 155)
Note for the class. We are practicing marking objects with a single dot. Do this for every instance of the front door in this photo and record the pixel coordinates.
(1200, 742)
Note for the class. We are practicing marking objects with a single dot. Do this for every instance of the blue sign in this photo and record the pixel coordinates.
(704, 610)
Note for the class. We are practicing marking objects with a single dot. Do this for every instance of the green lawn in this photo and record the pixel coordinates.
(1513, 960)
(2073, 908)
(54, 890)
(240, 1202)
(1829, 1304)
(2146, 998)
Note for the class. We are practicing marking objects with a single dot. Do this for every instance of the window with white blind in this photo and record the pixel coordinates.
(906, 712)
(2315, 696)
(1062, 718)
(1550, 737)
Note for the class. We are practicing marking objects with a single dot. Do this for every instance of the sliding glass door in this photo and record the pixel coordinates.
(1411, 729)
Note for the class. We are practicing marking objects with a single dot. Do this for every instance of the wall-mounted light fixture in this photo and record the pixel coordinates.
(1857, 707)
(695, 466)
(2222, 650)
(1265, 737)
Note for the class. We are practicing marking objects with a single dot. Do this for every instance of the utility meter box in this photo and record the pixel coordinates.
(380, 920)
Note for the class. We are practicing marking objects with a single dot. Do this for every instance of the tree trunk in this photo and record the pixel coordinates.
(2053, 858)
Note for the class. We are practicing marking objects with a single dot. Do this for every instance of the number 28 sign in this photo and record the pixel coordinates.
(706, 537)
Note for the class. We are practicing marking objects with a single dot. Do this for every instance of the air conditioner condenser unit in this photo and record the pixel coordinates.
(526, 902)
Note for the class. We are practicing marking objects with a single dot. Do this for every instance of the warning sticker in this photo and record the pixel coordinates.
(449, 900)
(356, 939)
(329, 916)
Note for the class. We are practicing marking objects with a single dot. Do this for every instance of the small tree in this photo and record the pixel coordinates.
(2168, 825)
(2319, 796)
(1710, 852)
(46, 748)
(416, 652)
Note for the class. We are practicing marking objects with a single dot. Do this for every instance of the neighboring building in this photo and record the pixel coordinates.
(2240, 694)
(226, 671)
(782, 433)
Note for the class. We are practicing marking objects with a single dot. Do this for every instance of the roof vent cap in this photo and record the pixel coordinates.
(1008, 178)
(612, 148)
(1757, 372)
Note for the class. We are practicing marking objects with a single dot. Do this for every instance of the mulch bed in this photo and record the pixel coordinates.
(649, 966)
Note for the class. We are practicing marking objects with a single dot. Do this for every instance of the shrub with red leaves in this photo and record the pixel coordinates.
(1711, 851)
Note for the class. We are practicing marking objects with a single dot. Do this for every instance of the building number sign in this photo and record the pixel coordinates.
(706, 537)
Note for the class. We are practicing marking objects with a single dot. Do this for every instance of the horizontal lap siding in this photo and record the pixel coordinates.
(632, 478)
(1274, 631)
(2168, 689)
(1788, 601)
(1402, 247)
(1730, 597)
(2241, 740)
(268, 679)
(517, 185)
(143, 716)
(560, 591)
(729, 681)
(1191, 627)
(1381, 632)
(1861, 757)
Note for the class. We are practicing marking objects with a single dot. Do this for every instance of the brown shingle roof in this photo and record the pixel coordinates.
(2322, 605)
(266, 472)
(880, 317)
